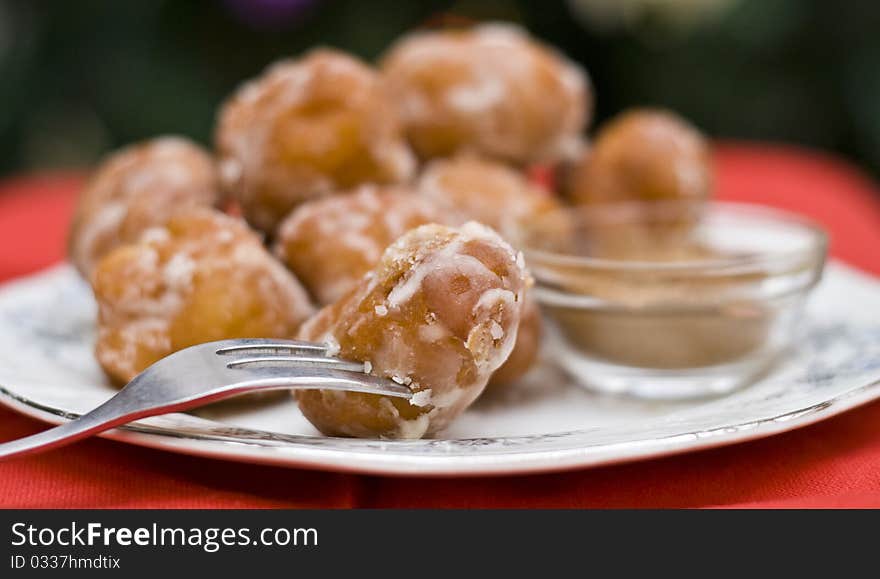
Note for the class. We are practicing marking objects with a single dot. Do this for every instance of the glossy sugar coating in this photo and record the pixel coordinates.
(439, 313)
(644, 155)
(491, 89)
(485, 190)
(331, 243)
(134, 189)
(305, 128)
(203, 276)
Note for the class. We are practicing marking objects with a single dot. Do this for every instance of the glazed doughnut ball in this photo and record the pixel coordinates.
(439, 314)
(644, 155)
(484, 190)
(491, 89)
(134, 189)
(304, 129)
(331, 243)
(203, 276)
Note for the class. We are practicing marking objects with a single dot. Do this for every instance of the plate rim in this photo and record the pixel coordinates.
(520, 462)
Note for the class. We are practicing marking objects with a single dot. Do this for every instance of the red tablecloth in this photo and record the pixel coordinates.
(834, 463)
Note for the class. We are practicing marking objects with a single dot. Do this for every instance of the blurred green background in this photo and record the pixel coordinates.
(80, 78)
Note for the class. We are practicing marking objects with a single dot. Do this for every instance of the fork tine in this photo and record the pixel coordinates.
(269, 358)
(322, 378)
(366, 383)
(296, 361)
(255, 347)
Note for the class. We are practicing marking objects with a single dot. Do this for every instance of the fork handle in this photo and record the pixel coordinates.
(49, 439)
(104, 417)
(116, 411)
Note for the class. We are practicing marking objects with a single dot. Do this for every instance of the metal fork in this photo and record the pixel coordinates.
(207, 373)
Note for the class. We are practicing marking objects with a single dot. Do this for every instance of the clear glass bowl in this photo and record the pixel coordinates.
(666, 300)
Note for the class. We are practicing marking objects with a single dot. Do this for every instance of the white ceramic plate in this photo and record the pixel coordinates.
(546, 423)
